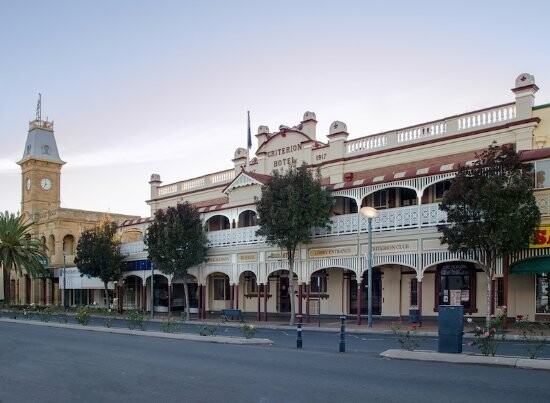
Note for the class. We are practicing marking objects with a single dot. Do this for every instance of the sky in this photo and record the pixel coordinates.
(136, 87)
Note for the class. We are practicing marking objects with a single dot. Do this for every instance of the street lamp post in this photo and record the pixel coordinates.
(152, 291)
(370, 213)
(64, 282)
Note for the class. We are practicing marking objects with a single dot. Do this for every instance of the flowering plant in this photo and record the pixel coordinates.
(83, 316)
(488, 338)
(408, 339)
(248, 331)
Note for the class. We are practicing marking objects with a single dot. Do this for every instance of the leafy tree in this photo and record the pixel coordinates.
(177, 242)
(293, 203)
(491, 209)
(19, 251)
(98, 254)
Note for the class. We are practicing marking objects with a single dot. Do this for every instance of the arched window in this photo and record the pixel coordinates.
(247, 219)
(68, 245)
(217, 223)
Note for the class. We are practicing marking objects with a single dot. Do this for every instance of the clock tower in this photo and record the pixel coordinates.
(40, 168)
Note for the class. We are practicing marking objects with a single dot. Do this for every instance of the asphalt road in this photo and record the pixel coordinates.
(41, 364)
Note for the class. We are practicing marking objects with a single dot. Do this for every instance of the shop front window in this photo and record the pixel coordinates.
(456, 285)
(543, 293)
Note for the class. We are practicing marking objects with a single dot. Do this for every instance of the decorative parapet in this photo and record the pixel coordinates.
(205, 181)
(40, 124)
(447, 127)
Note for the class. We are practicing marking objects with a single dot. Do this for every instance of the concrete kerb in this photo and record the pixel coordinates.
(433, 356)
(147, 333)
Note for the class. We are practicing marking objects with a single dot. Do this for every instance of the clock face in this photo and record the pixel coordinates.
(46, 183)
(28, 183)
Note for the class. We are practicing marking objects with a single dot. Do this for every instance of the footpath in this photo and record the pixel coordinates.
(429, 328)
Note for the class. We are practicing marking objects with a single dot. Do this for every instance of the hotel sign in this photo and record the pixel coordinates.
(218, 259)
(333, 252)
(394, 247)
(247, 257)
(284, 156)
(278, 255)
(541, 239)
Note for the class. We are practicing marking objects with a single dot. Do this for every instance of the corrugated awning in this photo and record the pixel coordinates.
(538, 264)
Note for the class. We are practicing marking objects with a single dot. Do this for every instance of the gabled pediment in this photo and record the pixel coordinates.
(246, 179)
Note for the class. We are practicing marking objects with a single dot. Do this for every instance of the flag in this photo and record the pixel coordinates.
(249, 138)
(248, 142)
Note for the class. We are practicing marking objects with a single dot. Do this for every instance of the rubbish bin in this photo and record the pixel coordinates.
(413, 315)
(451, 328)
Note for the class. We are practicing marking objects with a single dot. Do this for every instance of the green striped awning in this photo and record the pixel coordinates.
(538, 264)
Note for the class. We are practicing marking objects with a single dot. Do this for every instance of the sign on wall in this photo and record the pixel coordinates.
(541, 238)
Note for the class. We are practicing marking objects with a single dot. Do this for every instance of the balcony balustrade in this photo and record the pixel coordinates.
(427, 215)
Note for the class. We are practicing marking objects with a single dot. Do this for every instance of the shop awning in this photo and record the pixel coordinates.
(538, 264)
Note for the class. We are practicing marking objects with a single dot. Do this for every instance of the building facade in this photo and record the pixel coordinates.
(403, 173)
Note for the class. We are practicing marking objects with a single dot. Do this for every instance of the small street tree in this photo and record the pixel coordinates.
(98, 254)
(491, 209)
(291, 205)
(19, 251)
(177, 242)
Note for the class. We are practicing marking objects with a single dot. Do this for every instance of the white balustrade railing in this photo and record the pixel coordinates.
(441, 128)
(427, 215)
(487, 117)
(421, 132)
(234, 237)
(369, 143)
(197, 183)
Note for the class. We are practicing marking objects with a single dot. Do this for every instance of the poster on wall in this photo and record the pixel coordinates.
(455, 297)
(465, 296)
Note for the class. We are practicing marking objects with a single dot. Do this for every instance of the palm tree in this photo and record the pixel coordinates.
(18, 249)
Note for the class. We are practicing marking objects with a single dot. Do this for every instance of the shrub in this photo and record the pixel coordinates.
(110, 318)
(248, 331)
(46, 314)
(62, 316)
(83, 316)
(170, 325)
(136, 320)
(407, 339)
(208, 330)
(487, 339)
(14, 312)
(532, 335)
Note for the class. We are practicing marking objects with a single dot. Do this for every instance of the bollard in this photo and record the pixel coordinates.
(299, 331)
(342, 334)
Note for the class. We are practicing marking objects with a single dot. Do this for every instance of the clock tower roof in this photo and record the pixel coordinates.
(41, 143)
